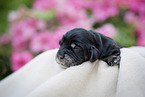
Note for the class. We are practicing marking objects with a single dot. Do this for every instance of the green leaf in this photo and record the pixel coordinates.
(44, 15)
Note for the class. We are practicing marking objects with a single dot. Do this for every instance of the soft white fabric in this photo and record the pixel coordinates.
(43, 77)
(131, 80)
(139, 49)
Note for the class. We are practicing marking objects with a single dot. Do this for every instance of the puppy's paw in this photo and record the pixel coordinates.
(115, 60)
(112, 60)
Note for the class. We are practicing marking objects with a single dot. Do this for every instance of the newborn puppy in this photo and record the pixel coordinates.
(79, 45)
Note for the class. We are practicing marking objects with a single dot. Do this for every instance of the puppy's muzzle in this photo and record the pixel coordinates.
(60, 58)
(65, 60)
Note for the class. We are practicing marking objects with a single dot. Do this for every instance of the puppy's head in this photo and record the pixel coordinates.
(76, 47)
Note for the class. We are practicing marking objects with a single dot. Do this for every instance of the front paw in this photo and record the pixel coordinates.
(114, 60)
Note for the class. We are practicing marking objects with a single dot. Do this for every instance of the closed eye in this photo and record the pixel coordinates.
(74, 46)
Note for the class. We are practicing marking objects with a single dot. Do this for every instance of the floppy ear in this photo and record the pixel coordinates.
(94, 54)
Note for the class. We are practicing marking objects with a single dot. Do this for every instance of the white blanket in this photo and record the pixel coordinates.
(43, 77)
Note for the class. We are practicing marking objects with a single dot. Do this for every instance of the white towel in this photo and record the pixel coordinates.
(43, 77)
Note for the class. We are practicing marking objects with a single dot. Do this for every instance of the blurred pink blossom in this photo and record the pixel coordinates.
(104, 9)
(136, 5)
(5, 39)
(133, 5)
(19, 43)
(20, 59)
(43, 41)
(70, 16)
(13, 15)
(59, 34)
(137, 21)
(23, 31)
(141, 37)
(136, 16)
(141, 22)
(78, 3)
(130, 18)
(16, 15)
(101, 9)
(44, 4)
(108, 30)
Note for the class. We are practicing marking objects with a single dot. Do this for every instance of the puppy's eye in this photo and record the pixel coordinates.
(73, 45)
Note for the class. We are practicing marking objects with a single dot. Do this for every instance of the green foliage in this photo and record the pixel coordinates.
(6, 6)
(125, 36)
(44, 15)
(5, 69)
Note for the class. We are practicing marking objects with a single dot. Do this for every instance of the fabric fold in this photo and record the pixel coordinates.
(43, 77)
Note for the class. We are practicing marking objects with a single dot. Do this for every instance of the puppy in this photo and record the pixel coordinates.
(79, 45)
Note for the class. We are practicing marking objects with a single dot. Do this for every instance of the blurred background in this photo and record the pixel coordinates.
(30, 27)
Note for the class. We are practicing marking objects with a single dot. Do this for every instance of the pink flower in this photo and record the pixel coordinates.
(141, 37)
(44, 4)
(13, 15)
(43, 41)
(17, 15)
(138, 21)
(141, 22)
(133, 5)
(104, 9)
(4, 39)
(20, 59)
(130, 18)
(80, 3)
(59, 34)
(19, 36)
(70, 16)
(136, 5)
(108, 30)
(19, 43)
(23, 31)
(27, 27)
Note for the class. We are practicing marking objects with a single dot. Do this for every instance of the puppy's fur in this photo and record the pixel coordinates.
(79, 45)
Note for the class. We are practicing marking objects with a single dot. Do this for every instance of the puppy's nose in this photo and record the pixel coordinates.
(60, 57)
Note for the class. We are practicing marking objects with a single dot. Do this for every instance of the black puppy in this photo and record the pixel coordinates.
(79, 45)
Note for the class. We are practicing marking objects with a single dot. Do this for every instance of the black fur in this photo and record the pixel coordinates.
(79, 45)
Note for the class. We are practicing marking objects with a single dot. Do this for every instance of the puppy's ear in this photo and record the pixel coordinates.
(94, 54)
